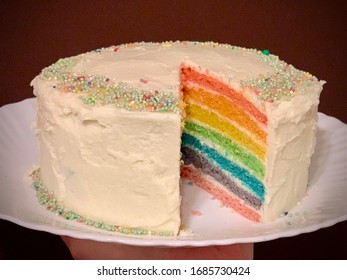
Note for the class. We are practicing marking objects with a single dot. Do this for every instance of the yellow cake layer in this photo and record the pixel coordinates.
(195, 112)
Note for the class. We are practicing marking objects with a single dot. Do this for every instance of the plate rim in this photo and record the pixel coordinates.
(147, 242)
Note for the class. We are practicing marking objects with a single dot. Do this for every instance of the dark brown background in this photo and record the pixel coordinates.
(312, 35)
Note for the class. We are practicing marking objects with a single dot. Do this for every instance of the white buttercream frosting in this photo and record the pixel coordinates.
(291, 142)
(110, 165)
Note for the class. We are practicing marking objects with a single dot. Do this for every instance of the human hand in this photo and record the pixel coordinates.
(88, 249)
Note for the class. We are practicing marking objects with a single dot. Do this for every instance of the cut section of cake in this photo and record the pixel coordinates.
(114, 125)
(236, 150)
(223, 143)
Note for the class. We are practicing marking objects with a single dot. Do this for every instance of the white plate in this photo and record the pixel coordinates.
(205, 221)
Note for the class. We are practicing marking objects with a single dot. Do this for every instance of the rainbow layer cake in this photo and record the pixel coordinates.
(119, 126)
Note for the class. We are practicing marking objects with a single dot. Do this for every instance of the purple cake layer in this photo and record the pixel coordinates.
(189, 156)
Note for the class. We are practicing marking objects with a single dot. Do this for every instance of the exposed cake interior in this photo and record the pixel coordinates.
(223, 142)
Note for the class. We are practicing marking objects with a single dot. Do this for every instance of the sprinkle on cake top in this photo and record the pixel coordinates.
(102, 90)
(281, 84)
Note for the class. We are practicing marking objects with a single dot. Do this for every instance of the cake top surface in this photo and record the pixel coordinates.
(145, 76)
(158, 64)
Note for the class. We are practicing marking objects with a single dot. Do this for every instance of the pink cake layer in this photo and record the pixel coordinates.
(200, 180)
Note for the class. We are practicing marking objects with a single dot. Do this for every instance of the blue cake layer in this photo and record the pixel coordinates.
(236, 171)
